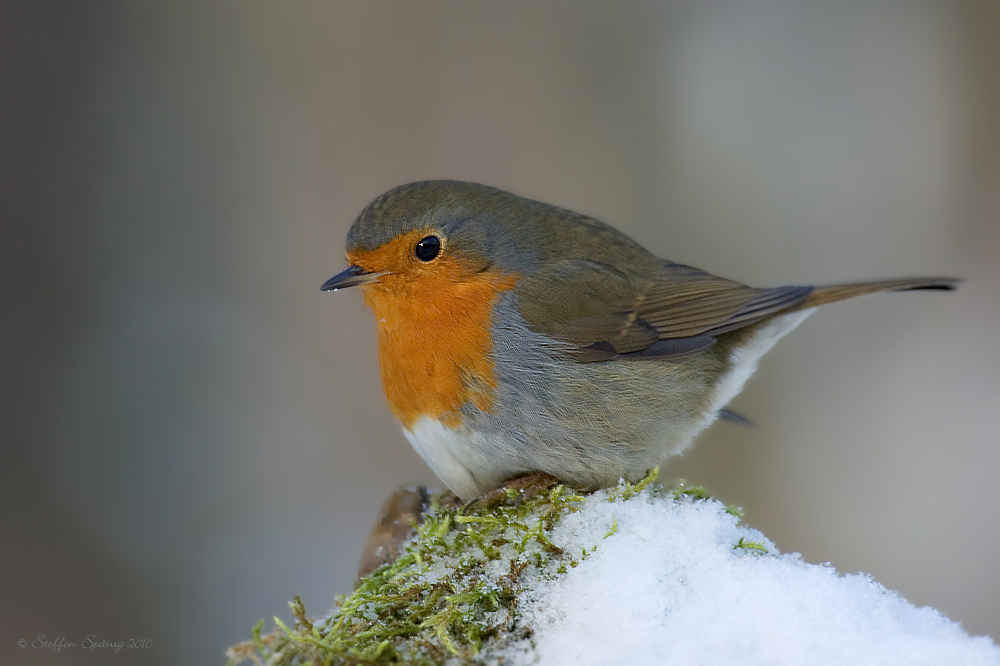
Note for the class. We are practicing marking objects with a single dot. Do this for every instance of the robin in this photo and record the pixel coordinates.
(516, 337)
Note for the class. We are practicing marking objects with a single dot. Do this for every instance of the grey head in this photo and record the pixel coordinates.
(489, 226)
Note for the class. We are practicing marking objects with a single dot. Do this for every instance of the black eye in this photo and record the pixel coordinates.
(428, 248)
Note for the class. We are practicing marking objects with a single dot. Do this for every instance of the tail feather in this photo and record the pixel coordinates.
(838, 292)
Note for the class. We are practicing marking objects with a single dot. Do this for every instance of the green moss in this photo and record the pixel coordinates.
(752, 546)
(690, 492)
(455, 586)
(453, 589)
(613, 530)
(626, 491)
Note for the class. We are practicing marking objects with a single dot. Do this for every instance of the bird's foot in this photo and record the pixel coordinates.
(525, 487)
(405, 509)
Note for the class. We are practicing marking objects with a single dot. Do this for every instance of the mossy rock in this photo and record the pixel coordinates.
(451, 593)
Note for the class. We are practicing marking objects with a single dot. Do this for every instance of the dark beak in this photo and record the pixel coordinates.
(352, 277)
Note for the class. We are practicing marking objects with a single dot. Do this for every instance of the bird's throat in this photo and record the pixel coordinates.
(435, 341)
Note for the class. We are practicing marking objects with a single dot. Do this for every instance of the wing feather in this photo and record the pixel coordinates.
(670, 310)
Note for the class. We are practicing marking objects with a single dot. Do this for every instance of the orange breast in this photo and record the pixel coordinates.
(434, 339)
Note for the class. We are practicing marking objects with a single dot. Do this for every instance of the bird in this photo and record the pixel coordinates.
(517, 338)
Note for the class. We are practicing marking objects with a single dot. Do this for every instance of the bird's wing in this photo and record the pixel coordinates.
(674, 310)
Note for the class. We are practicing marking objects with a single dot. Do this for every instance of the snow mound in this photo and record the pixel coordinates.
(679, 581)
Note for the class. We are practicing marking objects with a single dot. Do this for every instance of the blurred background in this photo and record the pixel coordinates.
(192, 432)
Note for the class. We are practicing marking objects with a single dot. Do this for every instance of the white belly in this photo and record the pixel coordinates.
(452, 454)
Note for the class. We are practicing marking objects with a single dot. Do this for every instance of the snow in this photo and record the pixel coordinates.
(670, 587)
